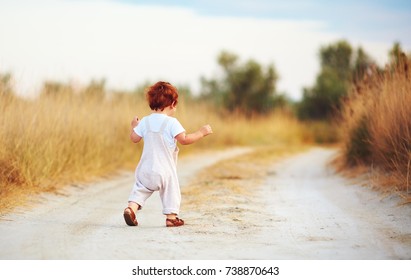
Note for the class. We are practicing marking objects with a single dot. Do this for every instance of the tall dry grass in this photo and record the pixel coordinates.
(55, 140)
(63, 138)
(377, 124)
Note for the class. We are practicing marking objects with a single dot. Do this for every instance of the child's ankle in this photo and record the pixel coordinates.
(171, 216)
(134, 206)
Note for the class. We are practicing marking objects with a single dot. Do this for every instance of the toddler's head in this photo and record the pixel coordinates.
(161, 95)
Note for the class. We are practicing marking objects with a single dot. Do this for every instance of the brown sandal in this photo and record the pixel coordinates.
(174, 222)
(130, 217)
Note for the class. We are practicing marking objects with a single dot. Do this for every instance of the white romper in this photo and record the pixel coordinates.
(157, 169)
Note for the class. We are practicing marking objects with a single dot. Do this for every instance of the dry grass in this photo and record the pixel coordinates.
(237, 130)
(63, 138)
(377, 126)
(48, 142)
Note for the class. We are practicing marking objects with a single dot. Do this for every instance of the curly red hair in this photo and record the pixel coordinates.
(161, 95)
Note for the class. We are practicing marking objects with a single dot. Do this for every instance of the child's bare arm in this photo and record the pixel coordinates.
(133, 136)
(186, 139)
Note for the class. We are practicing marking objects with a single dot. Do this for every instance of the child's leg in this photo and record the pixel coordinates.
(136, 200)
(171, 198)
(139, 194)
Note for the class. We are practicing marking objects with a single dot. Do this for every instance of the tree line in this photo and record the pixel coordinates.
(250, 87)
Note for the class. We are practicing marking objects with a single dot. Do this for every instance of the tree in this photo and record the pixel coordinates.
(339, 68)
(398, 59)
(95, 90)
(6, 85)
(53, 89)
(362, 64)
(395, 53)
(248, 88)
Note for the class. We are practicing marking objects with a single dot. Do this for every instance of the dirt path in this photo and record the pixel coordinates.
(302, 211)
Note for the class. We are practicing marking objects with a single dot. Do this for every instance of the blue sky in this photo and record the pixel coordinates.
(374, 19)
(130, 42)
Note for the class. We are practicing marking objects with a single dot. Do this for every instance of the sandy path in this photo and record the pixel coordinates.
(302, 211)
(319, 215)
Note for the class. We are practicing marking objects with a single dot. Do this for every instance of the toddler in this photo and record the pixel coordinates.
(157, 169)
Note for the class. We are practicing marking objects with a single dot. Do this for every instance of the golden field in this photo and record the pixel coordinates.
(63, 138)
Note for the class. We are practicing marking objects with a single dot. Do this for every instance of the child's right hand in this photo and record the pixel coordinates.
(206, 130)
(135, 122)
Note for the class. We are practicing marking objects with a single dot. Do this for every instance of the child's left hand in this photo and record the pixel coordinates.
(135, 122)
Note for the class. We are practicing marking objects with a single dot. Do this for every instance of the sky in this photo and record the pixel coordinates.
(128, 42)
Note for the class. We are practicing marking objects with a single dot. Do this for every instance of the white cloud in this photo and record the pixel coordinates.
(129, 44)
